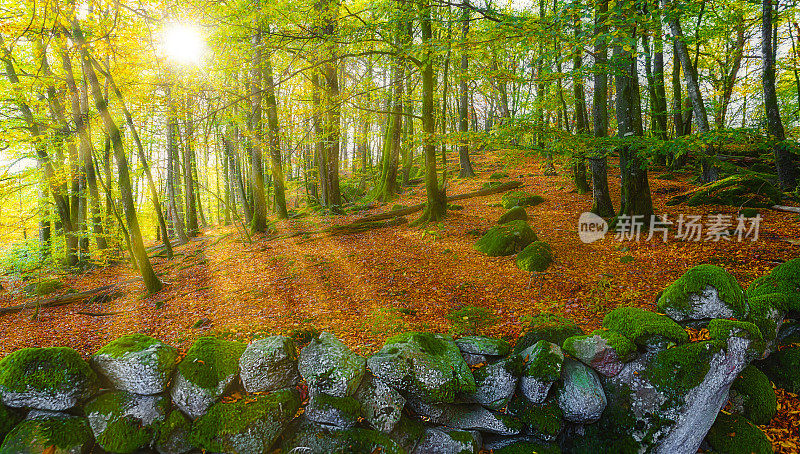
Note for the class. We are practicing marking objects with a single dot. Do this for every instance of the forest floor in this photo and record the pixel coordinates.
(367, 286)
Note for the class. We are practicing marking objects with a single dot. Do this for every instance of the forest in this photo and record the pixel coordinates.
(241, 169)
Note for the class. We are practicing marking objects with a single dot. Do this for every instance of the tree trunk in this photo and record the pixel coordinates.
(601, 198)
(192, 228)
(255, 128)
(273, 129)
(463, 100)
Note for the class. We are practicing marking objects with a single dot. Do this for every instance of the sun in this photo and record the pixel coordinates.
(184, 44)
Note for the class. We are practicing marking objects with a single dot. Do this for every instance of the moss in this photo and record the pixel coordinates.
(677, 370)
(550, 327)
(8, 419)
(612, 434)
(722, 329)
(127, 344)
(529, 447)
(44, 369)
(427, 342)
(174, 423)
(737, 191)
(498, 175)
(63, 433)
(760, 403)
(783, 284)
(514, 214)
(749, 212)
(734, 434)
(761, 313)
(210, 360)
(676, 295)
(783, 368)
(622, 346)
(215, 430)
(520, 198)
(505, 239)
(124, 433)
(43, 287)
(537, 256)
(349, 407)
(546, 418)
(544, 362)
(365, 441)
(643, 326)
(408, 431)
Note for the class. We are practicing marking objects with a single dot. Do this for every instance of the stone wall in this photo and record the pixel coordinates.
(639, 384)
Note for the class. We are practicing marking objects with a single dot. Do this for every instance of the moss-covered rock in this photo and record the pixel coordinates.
(752, 396)
(248, 425)
(765, 314)
(446, 440)
(506, 239)
(783, 280)
(736, 191)
(498, 175)
(123, 422)
(43, 287)
(136, 363)
(783, 368)
(721, 329)
(341, 412)
(643, 327)
(55, 378)
(269, 364)
(734, 434)
(208, 368)
(604, 350)
(482, 345)
(580, 395)
(57, 435)
(538, 366)
(8, 419)
(495, 383)
(514, 214)
(677, 370)
(329, 366)
(550, 327)
(537, 256)
(520, 199)
(308, 438)
(544, 420)
(381, 405)
(426, 366)
(703, 292)
(173, 434)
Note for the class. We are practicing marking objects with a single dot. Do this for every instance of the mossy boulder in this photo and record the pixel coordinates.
(482, 345)
(514, 214)
(427, 366)
(249, 425)
(467, 417)
(734, 434)
(54, 378)
(703, 292)
(208, 369)
(783, 280)
(766, 315)
(173, 434)
(721, 329)
(136, 363)
(269, 364)
(538, 366)
(549, 327)
(544, 420)
(783, 368)
(340, 412)
(645, 328)
(513, 199)
(580, 396)
(303, 436)
(752, 396)
(736, 191)
(381, 405)
(446, 440)
(604, 350)
(43, 287)
(495, 383)
(8, 419)
(675, 371)
(123, 422)
(56, 435)
(505, 239)
(498, 175)
(329, 366)
(536, 256)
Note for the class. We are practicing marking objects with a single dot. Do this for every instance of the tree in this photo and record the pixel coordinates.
(463, 97)
(601, 196)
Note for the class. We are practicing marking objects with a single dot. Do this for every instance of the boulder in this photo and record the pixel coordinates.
(467, 417)
(408, 432)
(495, 385)
(306, 437)
(269, 364)
(426, 366)
(473, 360)
(123, 422)
(173, 434)
(208, 368)
(549, 327)
(520, 444)
(734, 434)
(60, 435)
(54, 378)
(514, 214)
(704, 292)
(444, 440)
(329, 367)
(513, 199)
(245, 426)
(381, 405)
(339, 412)
(766, 314)
(544, 421)
(645, 328)
(536, 257)
(783, 368)
(136, 363)
(783, 282)
(505, 239)
(539, 367)
(752, 396)
(43, 287)
(604, 351)
(580, 396)
(482, 345)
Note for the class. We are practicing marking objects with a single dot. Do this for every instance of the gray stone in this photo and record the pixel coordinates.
(328, 366)
(542, 367)
(339, 412)
(173, 436)
(38, 436)
(705, 304)
(482, 345)
(122, 421)
(495, 385)
(473, 359)
(381, 405)
(581, 396)
(136, 363)
(467, 417)
(269, 364)
(45, 414)
(195, 400)
(424, 366)
(597, 352)
(306, 437)
(444, 440)
(519, 444)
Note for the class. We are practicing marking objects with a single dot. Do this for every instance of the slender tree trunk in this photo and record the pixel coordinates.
(463, 100)
(255, 126)
(173, 185)
(273, 129)
(192, 228)
(601, 198)
(581, 115)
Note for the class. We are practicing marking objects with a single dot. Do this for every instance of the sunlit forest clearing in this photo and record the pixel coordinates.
(622, 175)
